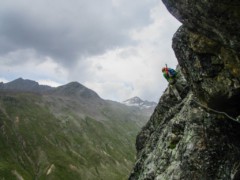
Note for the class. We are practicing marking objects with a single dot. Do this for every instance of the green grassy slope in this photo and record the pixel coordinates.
(40, 142)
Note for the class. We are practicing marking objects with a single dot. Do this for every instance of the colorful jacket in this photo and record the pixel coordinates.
(169, 74)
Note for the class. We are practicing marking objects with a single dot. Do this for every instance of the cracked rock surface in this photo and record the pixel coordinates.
(197, 137)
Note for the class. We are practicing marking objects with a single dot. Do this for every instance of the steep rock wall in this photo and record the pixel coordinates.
(197, 138)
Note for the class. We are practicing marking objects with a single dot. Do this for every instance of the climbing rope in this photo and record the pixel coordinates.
(215, 111)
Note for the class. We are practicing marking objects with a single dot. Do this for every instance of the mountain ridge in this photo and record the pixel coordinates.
(67, 132)
(21, 84)
(75, 89)
(69, 89)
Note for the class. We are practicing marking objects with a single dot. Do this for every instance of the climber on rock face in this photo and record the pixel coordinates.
(169, 74)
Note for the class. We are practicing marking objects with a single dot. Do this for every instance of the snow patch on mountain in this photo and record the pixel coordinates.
(138, 102)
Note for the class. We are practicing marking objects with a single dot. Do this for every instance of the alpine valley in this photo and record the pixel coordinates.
(67, 132)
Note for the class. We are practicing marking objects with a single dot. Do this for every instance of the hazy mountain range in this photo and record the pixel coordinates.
(67, 132)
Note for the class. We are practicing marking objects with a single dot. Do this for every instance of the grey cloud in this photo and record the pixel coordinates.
(68, 29)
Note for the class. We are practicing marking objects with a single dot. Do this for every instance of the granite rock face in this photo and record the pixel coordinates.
(197, 137)
(218, 20)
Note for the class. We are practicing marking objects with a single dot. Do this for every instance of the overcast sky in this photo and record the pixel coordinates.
(114, 47)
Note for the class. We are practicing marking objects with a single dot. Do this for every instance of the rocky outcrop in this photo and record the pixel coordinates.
(197, 137)
(218, 20)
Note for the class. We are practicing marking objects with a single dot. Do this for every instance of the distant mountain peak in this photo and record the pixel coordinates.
(133, 100)
(70, 89)
(74, 84)
(138, 102)
(25, 81)
(76, 89)
(137, 98)
(21, 84)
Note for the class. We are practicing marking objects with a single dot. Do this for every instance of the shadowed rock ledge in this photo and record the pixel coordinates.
(198, 137)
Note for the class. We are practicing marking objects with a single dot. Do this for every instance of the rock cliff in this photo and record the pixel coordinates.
(197, 137)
